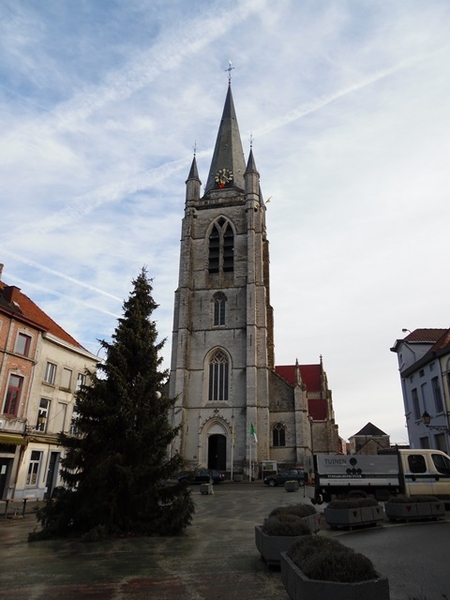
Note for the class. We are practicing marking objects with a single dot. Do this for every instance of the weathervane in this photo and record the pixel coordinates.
(251, 140)
(230, 68)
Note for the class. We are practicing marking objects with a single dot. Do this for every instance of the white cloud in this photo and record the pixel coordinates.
(348, 106)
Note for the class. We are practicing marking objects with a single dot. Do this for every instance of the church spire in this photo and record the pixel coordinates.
(193, 183)
(228, 157)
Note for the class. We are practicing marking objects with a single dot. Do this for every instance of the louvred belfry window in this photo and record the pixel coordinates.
(221, 247)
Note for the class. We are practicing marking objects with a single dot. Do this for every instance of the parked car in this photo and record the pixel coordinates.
(287, 475)
(202, 476)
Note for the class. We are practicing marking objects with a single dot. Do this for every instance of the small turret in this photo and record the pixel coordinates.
(193, 183)
(251, 176)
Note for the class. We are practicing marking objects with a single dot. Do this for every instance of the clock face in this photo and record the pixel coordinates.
(223, 176)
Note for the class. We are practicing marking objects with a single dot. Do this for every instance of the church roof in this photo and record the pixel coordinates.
(311, 375)
(228, 152)
(370, 430)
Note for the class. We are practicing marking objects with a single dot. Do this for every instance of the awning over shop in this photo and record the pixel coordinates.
(11, 438)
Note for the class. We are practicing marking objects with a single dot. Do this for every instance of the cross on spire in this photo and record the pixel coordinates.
(230, 68)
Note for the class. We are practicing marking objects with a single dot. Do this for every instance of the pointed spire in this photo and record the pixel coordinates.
(251, 165)
(193, 183)
(228, 152)
(193, 173)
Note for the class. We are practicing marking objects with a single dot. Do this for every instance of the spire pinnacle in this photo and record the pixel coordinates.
(228, 154)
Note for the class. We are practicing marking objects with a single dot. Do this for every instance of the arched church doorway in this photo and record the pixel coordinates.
(217, 452)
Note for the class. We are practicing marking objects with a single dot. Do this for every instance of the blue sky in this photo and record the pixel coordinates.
(102, 102)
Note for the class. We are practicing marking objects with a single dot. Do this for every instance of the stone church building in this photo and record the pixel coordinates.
(236, 408)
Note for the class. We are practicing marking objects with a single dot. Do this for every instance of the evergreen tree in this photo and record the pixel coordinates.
(117, 465)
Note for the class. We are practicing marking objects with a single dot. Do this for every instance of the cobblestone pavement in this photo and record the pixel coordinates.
(215, 559)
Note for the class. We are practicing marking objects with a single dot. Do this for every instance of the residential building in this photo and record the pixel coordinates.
(424, 365)
(235, 409)
(41, 367)
(369, 440)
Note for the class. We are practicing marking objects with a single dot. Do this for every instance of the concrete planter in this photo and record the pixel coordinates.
(206, 489)
(291, 486)
(299, 587)
(350, 517)
(371, 514)
(410, 511)
(313, 522)
(343, 517)
(271, 546)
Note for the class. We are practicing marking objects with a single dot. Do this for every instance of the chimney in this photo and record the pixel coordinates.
(1, 270)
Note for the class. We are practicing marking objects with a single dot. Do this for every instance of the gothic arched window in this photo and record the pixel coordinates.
(218, 376)
(219, 300)
(221, 247)
(279, 434)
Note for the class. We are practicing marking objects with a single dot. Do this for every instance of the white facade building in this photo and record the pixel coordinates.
(424, 366)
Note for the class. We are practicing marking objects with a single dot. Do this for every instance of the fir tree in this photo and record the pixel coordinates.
(117, 465)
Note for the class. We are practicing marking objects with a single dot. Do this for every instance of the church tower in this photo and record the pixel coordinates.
(223, 343)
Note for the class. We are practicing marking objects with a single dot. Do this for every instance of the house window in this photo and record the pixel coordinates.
(13, 395)
(23, 344)
(50, 373)
(416, 406)
(66, 378)
(44, 406)
(423, 393)
(218, 377)
(221, 247)
(34, 468)
(219, 309)
(437, 395)
(279, 435)
(81, 380)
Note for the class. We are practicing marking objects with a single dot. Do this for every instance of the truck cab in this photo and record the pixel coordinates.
(426, 472)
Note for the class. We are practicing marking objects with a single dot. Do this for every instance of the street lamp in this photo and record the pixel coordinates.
(426, 419)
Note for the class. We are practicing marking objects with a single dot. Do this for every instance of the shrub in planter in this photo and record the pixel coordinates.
(301, 510)
(285, 524)
(277, 534)
(321, 568)
(306, 511)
